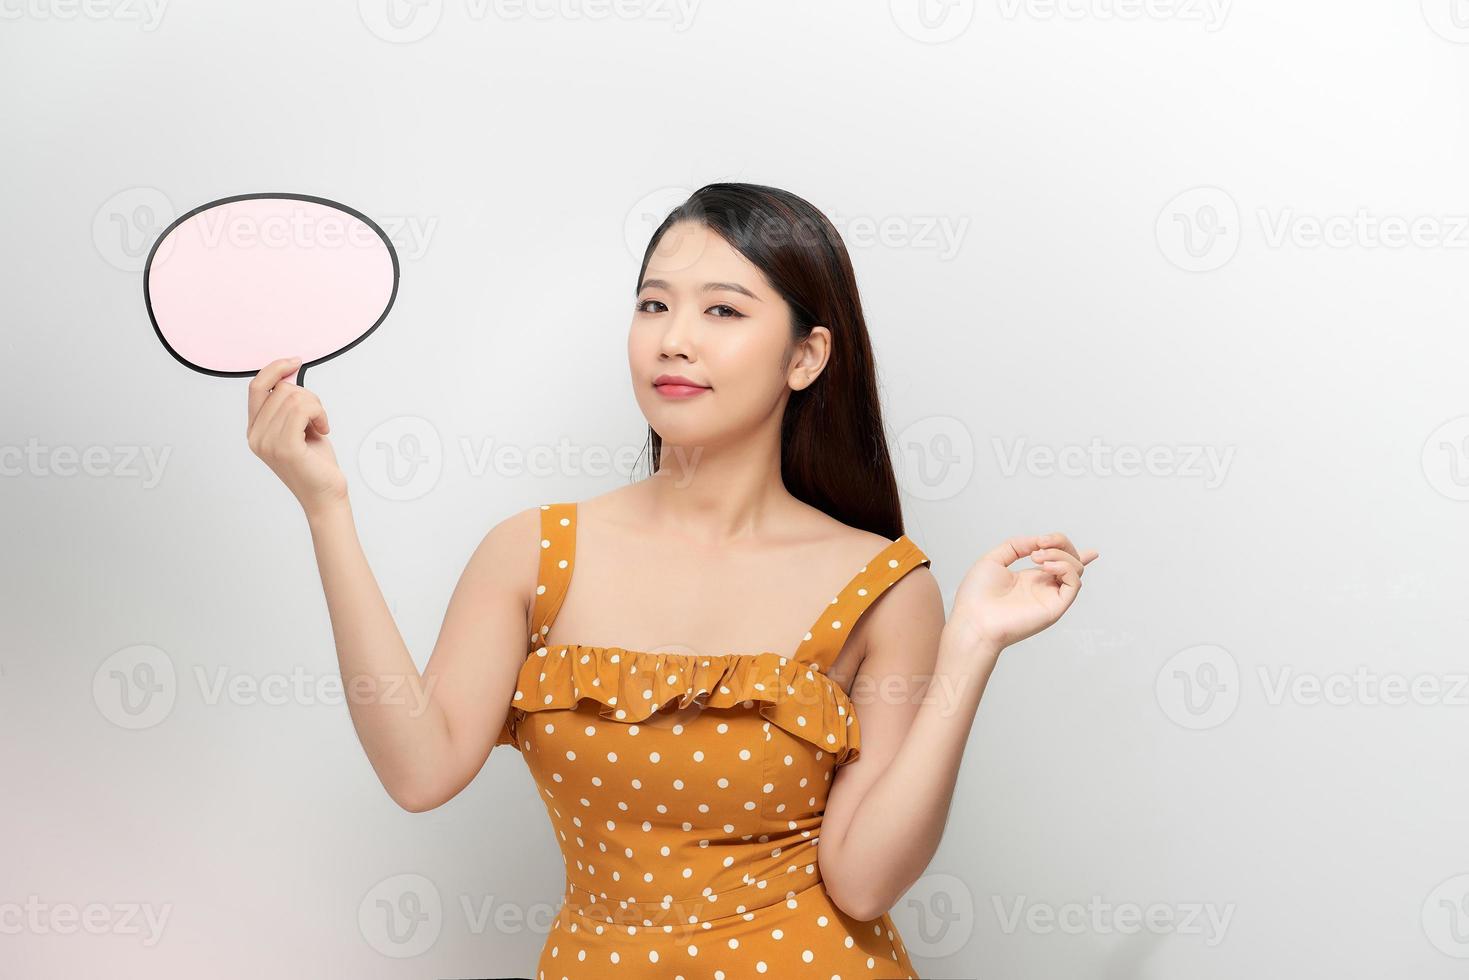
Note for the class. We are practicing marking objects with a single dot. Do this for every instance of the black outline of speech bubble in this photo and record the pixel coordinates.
(301, 371)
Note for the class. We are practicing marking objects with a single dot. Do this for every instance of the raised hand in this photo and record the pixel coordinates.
(287, 429)
(997, 606)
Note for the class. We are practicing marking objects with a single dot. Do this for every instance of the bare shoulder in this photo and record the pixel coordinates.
(901, 621)
(508, 557)
(854, 543)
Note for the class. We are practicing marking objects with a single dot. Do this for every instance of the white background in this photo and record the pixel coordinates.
(1184, 230)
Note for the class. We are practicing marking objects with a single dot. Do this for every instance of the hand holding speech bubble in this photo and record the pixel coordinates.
(239, 282)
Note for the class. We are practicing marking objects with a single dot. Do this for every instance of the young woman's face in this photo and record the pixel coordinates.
(705, 312)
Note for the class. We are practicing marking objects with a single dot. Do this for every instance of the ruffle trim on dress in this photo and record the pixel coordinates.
(630, 685)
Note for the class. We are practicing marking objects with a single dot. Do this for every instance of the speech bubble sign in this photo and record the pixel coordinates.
(239, 282)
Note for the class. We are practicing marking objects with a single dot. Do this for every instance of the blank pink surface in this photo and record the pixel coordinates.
(238, 285)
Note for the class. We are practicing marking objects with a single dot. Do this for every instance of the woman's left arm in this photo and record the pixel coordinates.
(916, 692)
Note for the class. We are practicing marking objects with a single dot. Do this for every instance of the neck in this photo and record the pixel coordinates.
(718, 494)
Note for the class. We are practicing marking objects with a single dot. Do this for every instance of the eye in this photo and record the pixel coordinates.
(639, 307)
(732, 311)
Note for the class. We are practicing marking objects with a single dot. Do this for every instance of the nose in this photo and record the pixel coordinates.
(677, 336)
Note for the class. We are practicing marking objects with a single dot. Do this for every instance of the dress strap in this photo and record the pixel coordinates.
(824, 641)
(558, 551)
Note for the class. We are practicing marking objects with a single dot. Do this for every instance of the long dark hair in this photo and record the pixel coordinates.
(834, 450)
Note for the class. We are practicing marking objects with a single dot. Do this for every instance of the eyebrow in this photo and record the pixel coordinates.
(733, 287)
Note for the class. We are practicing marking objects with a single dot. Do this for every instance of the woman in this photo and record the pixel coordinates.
(720, 808)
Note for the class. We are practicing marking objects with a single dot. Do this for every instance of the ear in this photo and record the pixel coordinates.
(811, 357)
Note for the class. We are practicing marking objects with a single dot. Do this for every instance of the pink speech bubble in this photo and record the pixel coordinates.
(239, 282)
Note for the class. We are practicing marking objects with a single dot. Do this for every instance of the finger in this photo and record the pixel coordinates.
(1088, 556)
(1042, 555)
(266, 379)
(267, 419)
(1057, 540)
(297, 407)
(1010, 551)
(1069, 576)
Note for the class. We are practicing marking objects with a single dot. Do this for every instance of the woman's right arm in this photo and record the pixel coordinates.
(426, 735)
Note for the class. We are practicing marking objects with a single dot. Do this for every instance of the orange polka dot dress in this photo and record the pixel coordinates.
(690, 846)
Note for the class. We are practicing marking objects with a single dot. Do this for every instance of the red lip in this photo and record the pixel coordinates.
(676, 379)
